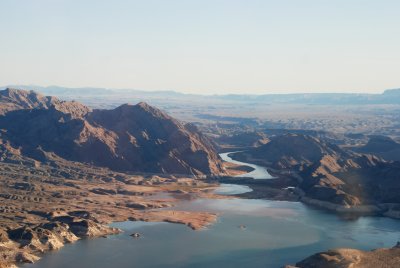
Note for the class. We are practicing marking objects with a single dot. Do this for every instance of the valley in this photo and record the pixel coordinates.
(259, 231)
(70, 171)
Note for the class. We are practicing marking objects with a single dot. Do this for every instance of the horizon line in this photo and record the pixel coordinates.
(32, 87)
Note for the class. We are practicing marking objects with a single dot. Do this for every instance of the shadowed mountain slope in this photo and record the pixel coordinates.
(382, 146)
(137, 138)
(328, 173)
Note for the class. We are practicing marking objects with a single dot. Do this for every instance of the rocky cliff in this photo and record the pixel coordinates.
(352, 258)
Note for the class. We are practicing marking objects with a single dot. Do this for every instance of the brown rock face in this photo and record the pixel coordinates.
(382, 146)
(246, 139)
(137, 138)
(330, 173)
(352, 258)
(295, 150)
(14, 99)
(3, 236)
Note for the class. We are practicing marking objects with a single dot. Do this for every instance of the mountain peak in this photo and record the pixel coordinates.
(295, 149)
(143, 104)
(128, 138)
(12, 99)
(15, 99)
(147, 107)
(14, 92)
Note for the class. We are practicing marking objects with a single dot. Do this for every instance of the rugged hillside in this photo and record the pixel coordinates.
(295, 151)
(137, 138)
(245, 139)
(328, 173)
(352, 258)
(46, 205)
(382, 146)
(14, 99)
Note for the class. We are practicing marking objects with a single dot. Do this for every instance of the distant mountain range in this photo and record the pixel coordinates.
(137, 138)
(390, 96)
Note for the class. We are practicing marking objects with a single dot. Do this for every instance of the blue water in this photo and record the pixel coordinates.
(248, 233)
(231, 189)
(259, 172)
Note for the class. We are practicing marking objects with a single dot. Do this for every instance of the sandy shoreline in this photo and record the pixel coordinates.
(64, 204)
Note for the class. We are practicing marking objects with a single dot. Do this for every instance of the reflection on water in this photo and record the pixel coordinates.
(275, 233)
(259, 172)
(232, 189)
(249, 233)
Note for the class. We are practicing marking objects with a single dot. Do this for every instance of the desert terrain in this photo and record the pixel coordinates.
(69, 169)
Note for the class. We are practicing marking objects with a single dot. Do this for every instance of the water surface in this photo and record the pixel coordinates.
(259, 172)
(249, 233)
(232, 189)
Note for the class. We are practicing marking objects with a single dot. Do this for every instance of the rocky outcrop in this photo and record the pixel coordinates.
(43, 207)
(382, 146)
(25, 244)
(25, 257)
(12, 99)
(3, 237)
(294, 151)
(329, 174)
(151, 139)
(245, 139)
(353, 258)
(138, 138)
(85, 227)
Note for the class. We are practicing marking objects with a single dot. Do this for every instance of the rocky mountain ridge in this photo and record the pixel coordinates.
(329, 173)
(136, 138)
(382, 146)
(352, 258)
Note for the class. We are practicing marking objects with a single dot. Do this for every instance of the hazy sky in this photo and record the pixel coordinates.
(203, 46)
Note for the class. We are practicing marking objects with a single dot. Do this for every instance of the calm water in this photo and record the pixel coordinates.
(259, 172)
(231, 189)
(273, 233)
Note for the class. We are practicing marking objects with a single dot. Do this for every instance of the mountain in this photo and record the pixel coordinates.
(245, 139)
(390, 96)
(328, 136)
(382, 146)
(14, 99)
(347, 257)
(327, 173)
(294, 151)
(392, 93)
(137, 138)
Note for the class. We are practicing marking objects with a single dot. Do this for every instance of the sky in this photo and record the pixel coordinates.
(203, 46)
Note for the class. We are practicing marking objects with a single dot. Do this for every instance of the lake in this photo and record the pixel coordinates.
(248, 233)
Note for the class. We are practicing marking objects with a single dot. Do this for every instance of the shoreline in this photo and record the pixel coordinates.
(268, 191)
(273, 190)
(38, 216)
(24, 245)
(144, 209)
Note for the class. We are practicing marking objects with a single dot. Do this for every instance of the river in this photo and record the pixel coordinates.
(259, 172)
(248, 233)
